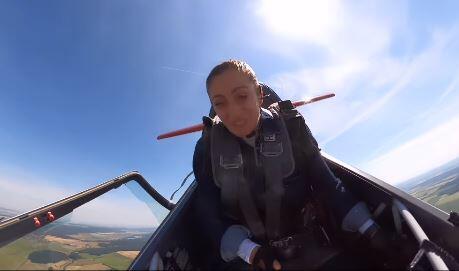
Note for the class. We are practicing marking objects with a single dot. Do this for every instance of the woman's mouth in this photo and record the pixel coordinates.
(239, 123)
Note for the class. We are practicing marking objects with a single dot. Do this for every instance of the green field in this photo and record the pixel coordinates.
(15, 256)
(449, 203)
(443, 195)
(114, 261)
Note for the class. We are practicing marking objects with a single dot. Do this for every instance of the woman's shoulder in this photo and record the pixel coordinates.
(298, 128)
(296, 124)
(301, 137)
(202, 167)
(202, 147)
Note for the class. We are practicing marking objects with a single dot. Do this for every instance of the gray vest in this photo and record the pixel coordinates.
(273, 151)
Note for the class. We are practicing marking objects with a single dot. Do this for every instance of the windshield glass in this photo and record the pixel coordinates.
(106, 233)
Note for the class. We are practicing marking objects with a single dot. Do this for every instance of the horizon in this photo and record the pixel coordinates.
(145, 223)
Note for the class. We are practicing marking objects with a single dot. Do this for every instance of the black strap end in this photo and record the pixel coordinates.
(207, 121)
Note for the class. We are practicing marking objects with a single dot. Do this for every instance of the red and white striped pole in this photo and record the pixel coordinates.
(199, 127)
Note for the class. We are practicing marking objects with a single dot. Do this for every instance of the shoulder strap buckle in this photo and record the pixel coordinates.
(231, 162)
(269, 137)
(271, 149)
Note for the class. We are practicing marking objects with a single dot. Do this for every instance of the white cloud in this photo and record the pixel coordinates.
(355, 39)
(445, 105)
(344, 30)
(22, 192)
(313, 21)
(452, 87)
(348, 108)
(419, 155)
(312, 81)
(107, 211)
(200, 74)
(356, 60)
(364, 75)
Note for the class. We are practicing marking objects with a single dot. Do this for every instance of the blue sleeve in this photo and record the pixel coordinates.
(351, 214)
(329, 189)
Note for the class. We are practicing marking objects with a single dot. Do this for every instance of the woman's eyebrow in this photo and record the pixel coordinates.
(217, 96)
(237, 88)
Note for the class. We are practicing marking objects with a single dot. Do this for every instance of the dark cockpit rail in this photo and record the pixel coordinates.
(18, 226)
(434, 222)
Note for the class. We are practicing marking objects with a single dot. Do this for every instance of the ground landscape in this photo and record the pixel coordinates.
(64, 246)
(440, 187)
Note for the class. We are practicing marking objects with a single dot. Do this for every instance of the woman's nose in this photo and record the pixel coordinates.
(235, 113)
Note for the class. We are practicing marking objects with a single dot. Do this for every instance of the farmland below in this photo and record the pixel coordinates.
(439, 188)
(74, 247)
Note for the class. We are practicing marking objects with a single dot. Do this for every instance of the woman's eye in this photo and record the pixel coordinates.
(242, 97)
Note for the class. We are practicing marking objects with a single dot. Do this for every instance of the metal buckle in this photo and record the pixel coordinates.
(231, 163)
(271, 149)
(270, 138)
(282, 243)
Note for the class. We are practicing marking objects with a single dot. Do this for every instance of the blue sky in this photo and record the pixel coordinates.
(86, 86)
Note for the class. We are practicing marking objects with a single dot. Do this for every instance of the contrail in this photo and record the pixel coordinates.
(181, 70)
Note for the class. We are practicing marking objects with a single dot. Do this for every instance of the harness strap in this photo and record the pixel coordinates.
(249, 210)
(278, 162)
(228, 172)
(271, 148)
(274, 193)
(226, 168)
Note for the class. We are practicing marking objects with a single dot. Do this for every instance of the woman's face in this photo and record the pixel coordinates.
(236, 100)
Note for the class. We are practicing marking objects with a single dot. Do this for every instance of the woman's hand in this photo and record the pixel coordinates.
(264, 258)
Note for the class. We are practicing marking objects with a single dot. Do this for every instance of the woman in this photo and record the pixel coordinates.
(258, 171)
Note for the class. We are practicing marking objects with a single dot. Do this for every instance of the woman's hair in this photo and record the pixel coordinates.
(237, 65)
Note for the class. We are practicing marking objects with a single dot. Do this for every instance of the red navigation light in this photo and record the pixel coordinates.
(50, 216)
(37, 222)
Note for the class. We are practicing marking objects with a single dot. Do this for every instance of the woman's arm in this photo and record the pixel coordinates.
(352, 214)
(207, 206)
